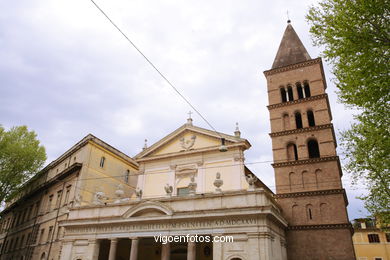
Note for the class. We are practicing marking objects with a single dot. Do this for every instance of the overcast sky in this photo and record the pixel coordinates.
(66, 72)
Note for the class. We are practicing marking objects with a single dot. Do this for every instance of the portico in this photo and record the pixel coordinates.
(256, 227)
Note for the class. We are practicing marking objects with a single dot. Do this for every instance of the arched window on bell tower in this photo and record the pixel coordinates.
(310, 118)
(286, 122)
(299, 90)
(292, 152)
(298, 120)
(307, 89)
(283, 94)
(290, 93)
(313, 149)
(309, 212)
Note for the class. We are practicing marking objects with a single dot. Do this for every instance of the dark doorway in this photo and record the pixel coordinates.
(179, 251)
(123, 249)
(149, 249)
(104, 249)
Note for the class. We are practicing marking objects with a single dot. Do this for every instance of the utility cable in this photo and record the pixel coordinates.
(156, 69)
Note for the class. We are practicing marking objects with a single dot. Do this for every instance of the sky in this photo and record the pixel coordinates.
(65, 71)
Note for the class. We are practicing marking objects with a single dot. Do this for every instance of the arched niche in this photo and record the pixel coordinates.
(149, 208)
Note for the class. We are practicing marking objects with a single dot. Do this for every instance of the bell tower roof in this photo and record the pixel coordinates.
(291, 49)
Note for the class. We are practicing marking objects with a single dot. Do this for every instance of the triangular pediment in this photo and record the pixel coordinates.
(190, 138)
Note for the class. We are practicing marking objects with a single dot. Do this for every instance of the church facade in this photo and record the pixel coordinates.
(189, 197)
(186, 187)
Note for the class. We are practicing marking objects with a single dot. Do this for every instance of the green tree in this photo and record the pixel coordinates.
(355, 35)
(21, 156)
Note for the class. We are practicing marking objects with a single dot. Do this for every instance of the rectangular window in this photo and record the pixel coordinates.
(58, 233)
(67, 193)
(22, 242)
(30, 211)
(58, 202)
(24, 216)
(11, 245)
(28, 239)
(127, 174)
(49, 233)
(37, 208)
(387, 237)
(50, 200)
(378, 258)
(41, 236)
(6, 246)
(373, 238)
(102, 160)
(183, 191)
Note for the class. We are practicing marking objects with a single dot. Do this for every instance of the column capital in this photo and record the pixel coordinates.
(114, 240)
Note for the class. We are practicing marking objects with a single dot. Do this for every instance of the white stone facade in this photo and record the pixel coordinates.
(252, 218)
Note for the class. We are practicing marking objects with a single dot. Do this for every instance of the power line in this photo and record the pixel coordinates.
(156, 69)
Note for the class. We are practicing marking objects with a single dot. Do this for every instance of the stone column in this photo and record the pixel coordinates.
(134, 249)
(67, 248)
(113, 246)
(166, 251)
(93, 249)
(217, 249)
(191, 251)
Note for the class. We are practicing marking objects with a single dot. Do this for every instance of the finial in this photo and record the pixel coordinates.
(189, 120)
(223, 147)
(288, 18)
(145, 145)
(237, 133)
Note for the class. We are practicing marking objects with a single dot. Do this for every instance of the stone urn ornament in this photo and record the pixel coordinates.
(119, 193)
(138, 193)
(77, 200)
(218, 183)
(192, 186)
(168, 189)
(251, 179)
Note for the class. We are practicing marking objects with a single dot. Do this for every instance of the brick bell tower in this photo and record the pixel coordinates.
(307, 168)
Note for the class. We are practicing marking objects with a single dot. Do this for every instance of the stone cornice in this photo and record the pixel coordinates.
(306, 161)
(323, 226)
(310, 193)
(292, 67)
(297, 101)
(301, 130)
(60, 176)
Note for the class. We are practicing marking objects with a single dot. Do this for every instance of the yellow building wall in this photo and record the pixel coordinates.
(154, 183)
(95, 178)
(365, 250)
